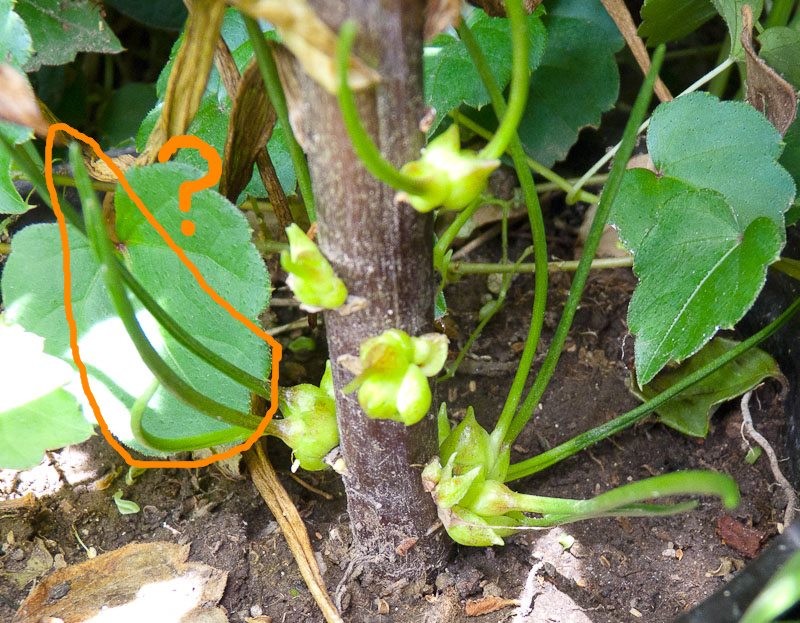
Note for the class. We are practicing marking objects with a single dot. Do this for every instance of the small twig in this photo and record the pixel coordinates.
(527, 594)
(294, 531)
(308, 486)
(622, 18)
(301, 323)
(477, 242)
(788, 491)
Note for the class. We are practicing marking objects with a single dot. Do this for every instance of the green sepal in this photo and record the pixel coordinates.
(470, 442)
(442, 423)
(311, 276)
(308, 425)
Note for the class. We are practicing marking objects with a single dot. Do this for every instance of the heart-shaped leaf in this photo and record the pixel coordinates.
(222, 251)
(704, 228)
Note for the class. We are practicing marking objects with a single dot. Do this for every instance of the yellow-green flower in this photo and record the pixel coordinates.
(392, 384)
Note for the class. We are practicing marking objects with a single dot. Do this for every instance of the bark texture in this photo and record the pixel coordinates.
(383, 253)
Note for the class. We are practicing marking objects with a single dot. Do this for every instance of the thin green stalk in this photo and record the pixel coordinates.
(103, 248)
(488, 314)
(480, 268)
(32, 168)
(780, 13)
(720, 82)
(195, 346)
(537, 230)
(520, 78)
(536, 167)
(366, 150)
(573, 196)
(590, 248)
(272, 82)
(449, 234)
(235, 373)
(584, 440)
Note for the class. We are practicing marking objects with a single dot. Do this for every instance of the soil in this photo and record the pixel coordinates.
(615, 570)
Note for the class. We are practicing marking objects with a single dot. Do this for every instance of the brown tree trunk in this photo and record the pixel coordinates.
(383, 253)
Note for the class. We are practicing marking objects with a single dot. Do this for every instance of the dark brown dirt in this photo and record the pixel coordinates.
(616, 570)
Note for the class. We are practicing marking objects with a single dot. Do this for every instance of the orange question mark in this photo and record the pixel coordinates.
(188, 188)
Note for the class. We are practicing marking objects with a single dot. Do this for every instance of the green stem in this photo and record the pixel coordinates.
(272, 82)
(720, 82)
(480, 268)
(366, 150)
(449, 234)
(32, 168)
(488, 314)
(779, 595)
(537, 230)
(573, 196)
(590, 247)
(520, 78)
(195, 346)
(235, 373)
(584, 440)
(780, 13)
(104, 250)
(536, 167)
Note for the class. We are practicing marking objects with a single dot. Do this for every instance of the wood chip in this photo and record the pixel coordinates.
(485, 605)
(742, 539)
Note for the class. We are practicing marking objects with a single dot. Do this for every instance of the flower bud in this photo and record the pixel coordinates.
(308, 425)
(394, 366)
(453, 177)
(311, 277)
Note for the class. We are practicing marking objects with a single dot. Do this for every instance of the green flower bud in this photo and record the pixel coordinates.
(469, 443)
(493, 498)
(453, 177)
(311, 277)
(308, 425)
(394, 366)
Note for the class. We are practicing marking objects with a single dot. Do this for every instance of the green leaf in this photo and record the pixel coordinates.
(576, 81)
(781, 593)
(790, 160)
(780, 47)
(669, 20)
(704, 229)
(691, 411)
(450, 77)
(36, 413)
(222, 251)
(731, 12)
(62, 29)
(10, 201)
(125, 507)
(15, 40)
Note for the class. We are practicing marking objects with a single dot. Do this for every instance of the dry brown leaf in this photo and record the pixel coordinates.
(311, 41)
(101, 172)
(739, 537)
(485, 605)
(251, 124)
(37, 563)
(619, 12)
(439, 16)
(767, 91)
(189, 75)
(141, 581)
(18, 103)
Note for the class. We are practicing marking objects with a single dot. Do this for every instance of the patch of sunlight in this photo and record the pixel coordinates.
(168, 601)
